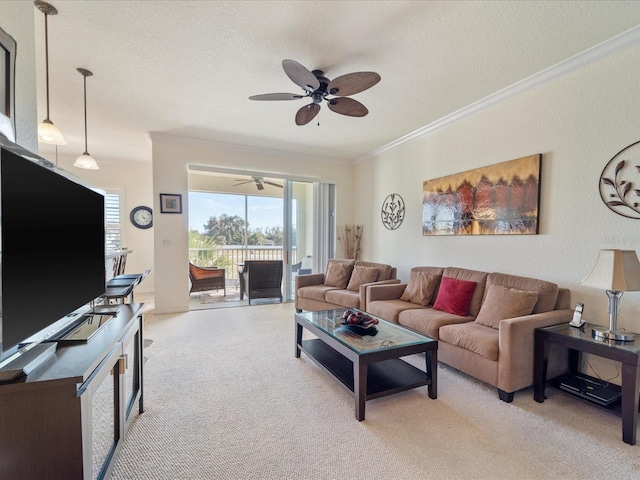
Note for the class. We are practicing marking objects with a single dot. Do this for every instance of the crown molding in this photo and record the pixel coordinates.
(609, 47)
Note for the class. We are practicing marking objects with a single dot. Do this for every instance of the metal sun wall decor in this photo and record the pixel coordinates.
(499, 199)
(617, 188)
(392, 212)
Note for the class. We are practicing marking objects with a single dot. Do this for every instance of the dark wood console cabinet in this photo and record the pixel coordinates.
(68, 418)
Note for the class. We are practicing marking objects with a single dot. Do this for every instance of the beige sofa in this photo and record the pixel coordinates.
(494, 341)
(344, 284)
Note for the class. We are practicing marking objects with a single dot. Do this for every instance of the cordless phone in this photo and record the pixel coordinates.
(577, 320)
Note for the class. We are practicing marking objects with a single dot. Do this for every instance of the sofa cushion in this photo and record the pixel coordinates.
(547, 291)
(454, 296)
(502, 303)
(345, 298)
(472, 276)
(420, 288)
(314, 292)
(384, 270)
(390, 309)
(428, 321)
(338, 274)
(361, 275)
(474, 337)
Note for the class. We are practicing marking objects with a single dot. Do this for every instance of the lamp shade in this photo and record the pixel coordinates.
(86, 161)
(616, 270)
(49, 133)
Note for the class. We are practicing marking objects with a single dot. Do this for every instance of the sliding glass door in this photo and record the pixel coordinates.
(299, 233)
(232, 219)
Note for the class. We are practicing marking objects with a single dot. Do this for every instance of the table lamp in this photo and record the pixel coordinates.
(616, 271)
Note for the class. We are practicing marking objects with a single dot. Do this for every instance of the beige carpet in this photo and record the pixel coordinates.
(226, 399)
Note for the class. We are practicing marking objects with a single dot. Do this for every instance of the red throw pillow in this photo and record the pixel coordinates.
(454, 296)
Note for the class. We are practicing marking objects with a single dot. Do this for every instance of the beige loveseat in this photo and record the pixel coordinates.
(344, 284)
(494, 340)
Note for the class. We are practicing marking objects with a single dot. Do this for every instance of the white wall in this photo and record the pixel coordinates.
(578, 123)
(171, 158)
(16, 18)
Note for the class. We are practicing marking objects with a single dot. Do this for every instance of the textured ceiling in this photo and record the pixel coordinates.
(188, 67)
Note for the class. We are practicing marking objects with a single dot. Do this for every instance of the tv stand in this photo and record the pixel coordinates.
(27, 361)
(69, 417)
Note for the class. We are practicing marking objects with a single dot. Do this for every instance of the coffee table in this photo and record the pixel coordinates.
(368, 366)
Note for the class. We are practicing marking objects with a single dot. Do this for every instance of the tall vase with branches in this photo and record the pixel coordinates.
(350, 237)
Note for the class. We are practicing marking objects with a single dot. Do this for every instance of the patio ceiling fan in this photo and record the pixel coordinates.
(317, 87)
(259, 181)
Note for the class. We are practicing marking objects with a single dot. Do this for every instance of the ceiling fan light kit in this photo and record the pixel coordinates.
(318, 88)
(47, 131)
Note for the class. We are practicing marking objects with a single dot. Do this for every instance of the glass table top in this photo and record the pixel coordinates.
(389, 334)
(584, 333)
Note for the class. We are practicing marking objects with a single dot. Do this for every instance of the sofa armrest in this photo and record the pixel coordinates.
(515, 347)
(385, 292)
(365, 287)
(309, 279)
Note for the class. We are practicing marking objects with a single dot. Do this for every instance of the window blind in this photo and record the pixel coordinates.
(112, 219)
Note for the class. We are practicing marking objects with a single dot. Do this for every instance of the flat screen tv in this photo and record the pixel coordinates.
(52, 247)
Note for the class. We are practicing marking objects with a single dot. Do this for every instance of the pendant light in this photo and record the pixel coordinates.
(85, 160)
(47, 131)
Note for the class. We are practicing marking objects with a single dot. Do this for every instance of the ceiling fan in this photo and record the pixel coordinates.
(317, 87)
(259, 181)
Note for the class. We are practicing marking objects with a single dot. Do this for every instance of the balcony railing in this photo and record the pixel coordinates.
(230, 256)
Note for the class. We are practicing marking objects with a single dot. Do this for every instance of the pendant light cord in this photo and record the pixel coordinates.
(46, 57)
(86, 151)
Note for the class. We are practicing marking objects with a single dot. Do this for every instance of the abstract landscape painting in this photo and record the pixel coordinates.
(501, 199)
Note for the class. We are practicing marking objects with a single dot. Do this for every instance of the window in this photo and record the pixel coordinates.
(112, 219)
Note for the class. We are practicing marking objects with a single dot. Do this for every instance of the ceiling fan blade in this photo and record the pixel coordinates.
(273, 184)
(259, 186)
(352, 83)
(300, 75)
(307, 113)
(276, 96)
(242, 183)
(347, 106)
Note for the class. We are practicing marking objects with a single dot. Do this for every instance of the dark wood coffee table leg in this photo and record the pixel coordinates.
(432, 372)
(630, 395)
(360, 388)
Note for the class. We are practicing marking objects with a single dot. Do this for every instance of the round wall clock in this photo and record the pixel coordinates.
(392, 212)
(141, 217)
(618, 182)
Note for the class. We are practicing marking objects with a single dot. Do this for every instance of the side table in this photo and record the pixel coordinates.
(580, 340)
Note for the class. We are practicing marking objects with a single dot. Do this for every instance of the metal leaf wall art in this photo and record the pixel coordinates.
(620, 182)
(392, 212)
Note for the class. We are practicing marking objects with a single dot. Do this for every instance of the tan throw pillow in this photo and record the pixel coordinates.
(362, 275)
(337, 274)
(502, 303)
(420, 288)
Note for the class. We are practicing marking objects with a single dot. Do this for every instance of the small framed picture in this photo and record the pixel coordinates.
(170, 203)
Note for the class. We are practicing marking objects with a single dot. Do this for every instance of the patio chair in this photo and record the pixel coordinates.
(204, 279)
(303, 267)
(261, 279)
